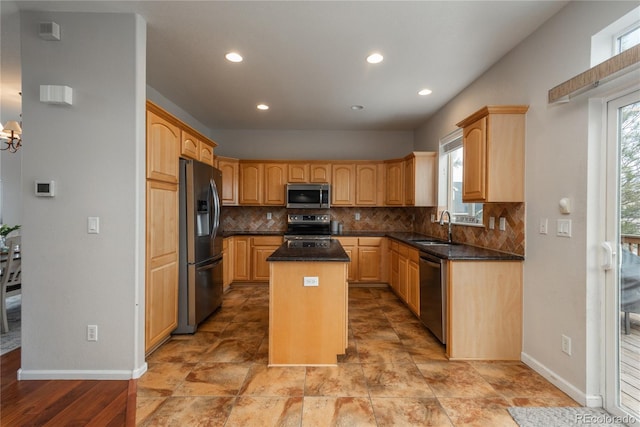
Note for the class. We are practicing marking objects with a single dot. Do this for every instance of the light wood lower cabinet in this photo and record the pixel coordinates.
(405, 274)
(261, 248)
(227, 265)
(250, 255)
(242, 258)
(366, 258)
(484, 310)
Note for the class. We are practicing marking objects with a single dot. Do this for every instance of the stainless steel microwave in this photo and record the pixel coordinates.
(308, 196)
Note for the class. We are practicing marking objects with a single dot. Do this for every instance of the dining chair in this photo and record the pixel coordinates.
(10, 277)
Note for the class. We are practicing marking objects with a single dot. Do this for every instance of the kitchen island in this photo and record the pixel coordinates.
(308, 297)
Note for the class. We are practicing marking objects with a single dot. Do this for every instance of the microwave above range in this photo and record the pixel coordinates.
(308, 196)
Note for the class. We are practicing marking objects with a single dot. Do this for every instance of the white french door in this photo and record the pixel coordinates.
(622, 353)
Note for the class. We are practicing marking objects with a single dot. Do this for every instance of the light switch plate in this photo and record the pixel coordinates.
(93, 225)
(544, 226)
(563, 228)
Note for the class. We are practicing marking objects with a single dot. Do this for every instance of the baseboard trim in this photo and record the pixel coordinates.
(46, 374)
(591, 401)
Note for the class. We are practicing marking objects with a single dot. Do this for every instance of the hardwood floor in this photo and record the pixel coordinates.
(63, 403)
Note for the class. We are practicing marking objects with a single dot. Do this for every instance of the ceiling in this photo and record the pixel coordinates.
(306, 59)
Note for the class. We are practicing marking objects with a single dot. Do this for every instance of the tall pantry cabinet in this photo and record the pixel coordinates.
(168, 139)
(161, 289)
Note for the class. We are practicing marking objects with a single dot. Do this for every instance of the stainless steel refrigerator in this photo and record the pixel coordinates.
(200, 273)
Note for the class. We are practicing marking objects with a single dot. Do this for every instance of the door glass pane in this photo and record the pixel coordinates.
(629, 188)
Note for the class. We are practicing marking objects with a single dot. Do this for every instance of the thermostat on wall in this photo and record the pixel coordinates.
(45, 188)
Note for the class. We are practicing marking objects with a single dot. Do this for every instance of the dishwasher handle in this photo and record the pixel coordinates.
(431, 260)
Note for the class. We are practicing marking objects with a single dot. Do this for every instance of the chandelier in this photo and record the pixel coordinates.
(10, 135)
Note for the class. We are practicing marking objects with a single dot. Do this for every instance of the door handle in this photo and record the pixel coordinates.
(609, 255)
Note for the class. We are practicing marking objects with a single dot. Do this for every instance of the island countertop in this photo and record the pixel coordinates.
(307, 251)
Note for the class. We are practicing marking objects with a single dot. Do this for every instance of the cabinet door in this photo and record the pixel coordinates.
(369, 263)
(189, 146)
(403, 276)
(395, 268)
(298, 172)
(206, 153)
(161, 288)
(319, 173)
(350, 246)
(261, 248)
(366, 185)
(251, 179)
(227, 265)
(229, 169)
(163, 149)
(394, 195)
(343, 185)
(241, 258)
(413, 286)
(275, 179)
(474, 148)
(409, 182)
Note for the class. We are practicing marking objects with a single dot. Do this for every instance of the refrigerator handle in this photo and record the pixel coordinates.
(215, 224)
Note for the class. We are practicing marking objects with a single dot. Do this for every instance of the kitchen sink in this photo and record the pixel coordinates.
(433, 243)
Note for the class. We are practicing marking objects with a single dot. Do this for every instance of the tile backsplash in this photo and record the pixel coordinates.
(512, 240)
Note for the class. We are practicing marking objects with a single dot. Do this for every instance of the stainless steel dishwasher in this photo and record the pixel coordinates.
(433, 294)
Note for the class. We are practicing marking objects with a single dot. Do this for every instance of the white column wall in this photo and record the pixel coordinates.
(94, 150)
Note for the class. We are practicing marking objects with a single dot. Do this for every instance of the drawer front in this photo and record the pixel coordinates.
(370, 241)
(267, 241)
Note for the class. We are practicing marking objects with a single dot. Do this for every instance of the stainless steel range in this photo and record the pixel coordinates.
(308, 227)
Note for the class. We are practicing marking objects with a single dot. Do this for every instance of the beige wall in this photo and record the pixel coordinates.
(560, 280)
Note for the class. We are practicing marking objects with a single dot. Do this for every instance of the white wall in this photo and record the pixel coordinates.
(94, 150)
(10, 109)
(312, 144)
(556, 290)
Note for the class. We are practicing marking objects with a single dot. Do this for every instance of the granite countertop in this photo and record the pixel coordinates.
(459, 251)
(287, 252)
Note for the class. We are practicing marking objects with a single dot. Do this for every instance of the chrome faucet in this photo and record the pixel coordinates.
(442, 223)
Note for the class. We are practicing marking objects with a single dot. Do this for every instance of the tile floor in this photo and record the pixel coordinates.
(394, 373)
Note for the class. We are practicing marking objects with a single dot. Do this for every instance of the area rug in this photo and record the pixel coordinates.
(566, 417)
(11, 340)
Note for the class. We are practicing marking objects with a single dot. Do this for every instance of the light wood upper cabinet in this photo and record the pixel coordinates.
(343, 187)
(420, 168)
(230, 177)
(493, 153)
(275, 179)
(163, 148)
(298, 172)
(189, 146)
(394, 194)
(251, 183)
(320, 173)
(206, 153)
(367, 184)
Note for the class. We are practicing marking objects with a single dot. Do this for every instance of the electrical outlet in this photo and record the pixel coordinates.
(503, 223)
(433, 217)
(492, 223)
(566, 344)
(268, 215)
(357, 216)
(311, 281)
(92, 332)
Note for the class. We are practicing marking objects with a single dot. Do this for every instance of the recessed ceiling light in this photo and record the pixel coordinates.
(424, 92)
(233, 57)
(374, 58)
(262, 107)
(357, 107)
